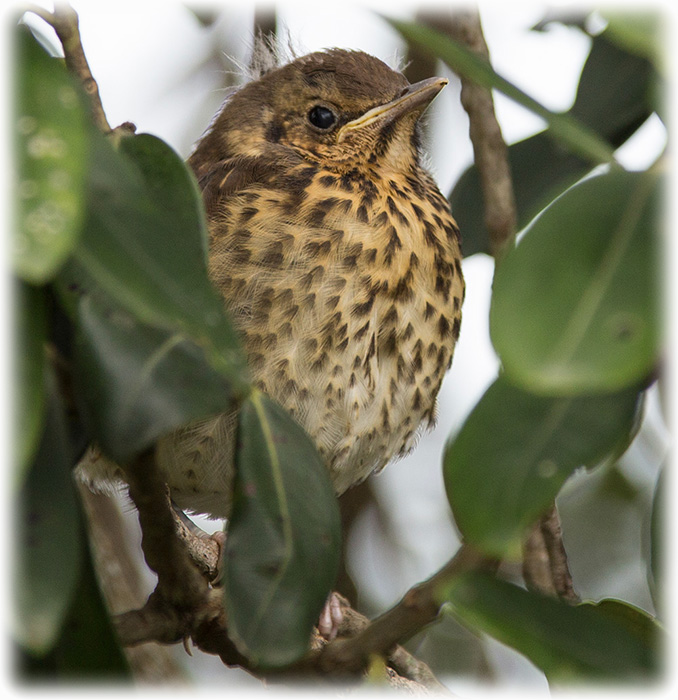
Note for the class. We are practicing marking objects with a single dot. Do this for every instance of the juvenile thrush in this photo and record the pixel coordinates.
(338, 260)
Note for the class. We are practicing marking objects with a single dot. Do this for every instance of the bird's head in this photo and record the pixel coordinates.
(337, 107)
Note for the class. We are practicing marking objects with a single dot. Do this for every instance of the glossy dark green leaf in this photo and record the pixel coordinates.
(136, 382)
(514, 452)
(31, 329)
(144, 244)
(575, 306)
(282, 550)
(51, 160)
(49, 538)
(614, 98)
(610, 641)
(87, 648)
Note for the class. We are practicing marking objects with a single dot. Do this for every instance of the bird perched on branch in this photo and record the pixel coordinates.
(338, 261)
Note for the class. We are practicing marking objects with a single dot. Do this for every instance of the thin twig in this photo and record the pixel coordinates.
(545, 567)
(64, 21)
(180, 582)
(418, 608)
(489, 149)
(560, 571)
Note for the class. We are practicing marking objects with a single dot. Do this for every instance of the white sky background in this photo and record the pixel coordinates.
(138, 50)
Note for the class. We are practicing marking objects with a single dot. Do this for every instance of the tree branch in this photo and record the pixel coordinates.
(418, 608)
(489, 149)
(180, 583)
(64, 21)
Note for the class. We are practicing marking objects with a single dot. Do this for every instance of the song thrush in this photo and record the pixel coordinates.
(338, 260)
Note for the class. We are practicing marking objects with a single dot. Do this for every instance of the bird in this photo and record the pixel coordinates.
(338, 261)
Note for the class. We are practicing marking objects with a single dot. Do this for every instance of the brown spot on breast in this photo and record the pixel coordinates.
(284, 297)
(428, 311)
(444, 327)
(389, 343)
(381, 219)
(256, 360)
(311, 277)
(320, 362)
(403, 291)
(241, 255)
(336, 284)
(364, 308)
(385, 424)
(291, 312)
(391, 316)
(273, 256)
(361, 331)
(247, 213)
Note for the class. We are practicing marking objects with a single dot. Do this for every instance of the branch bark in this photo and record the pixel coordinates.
(418, 608)
(489, 149)
(64, 21)
(545, 567)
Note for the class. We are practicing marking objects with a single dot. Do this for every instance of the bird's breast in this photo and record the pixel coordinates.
(347, 293)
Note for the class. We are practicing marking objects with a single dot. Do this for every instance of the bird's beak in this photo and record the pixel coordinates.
(413, 97)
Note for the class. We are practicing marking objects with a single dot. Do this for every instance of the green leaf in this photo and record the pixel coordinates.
(48, 548)
(31, 330)
(51, 158)
(514, 452)
(614, 98)
(87, 648)
(575, 136)
(144, 244)
(136, 382)
(607, 641)
(575, 305)
(637, 31)
(283, 545)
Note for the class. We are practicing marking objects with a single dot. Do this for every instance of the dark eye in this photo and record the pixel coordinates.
(322, 117)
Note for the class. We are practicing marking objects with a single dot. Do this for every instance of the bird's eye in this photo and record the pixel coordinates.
(322, 117)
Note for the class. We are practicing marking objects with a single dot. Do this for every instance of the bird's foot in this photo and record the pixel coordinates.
(331, 617)
(205, 550)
